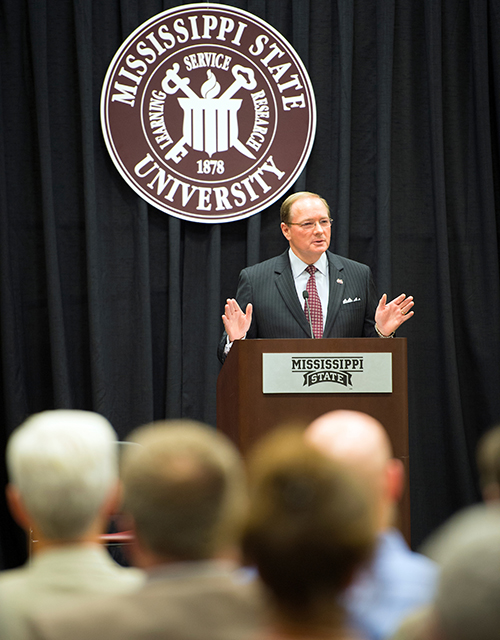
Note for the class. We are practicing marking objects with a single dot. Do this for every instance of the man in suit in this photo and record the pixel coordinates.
(63, 485)
(340, 301)
(184, 490)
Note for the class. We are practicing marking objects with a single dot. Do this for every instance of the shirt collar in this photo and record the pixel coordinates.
(298, 266)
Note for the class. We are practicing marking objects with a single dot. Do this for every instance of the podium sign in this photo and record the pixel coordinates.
(327, 372)
(248, 404)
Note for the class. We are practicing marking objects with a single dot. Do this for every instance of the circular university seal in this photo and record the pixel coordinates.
(208, 113)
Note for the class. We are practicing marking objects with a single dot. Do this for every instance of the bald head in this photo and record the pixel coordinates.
(360, 442)
(352, 437)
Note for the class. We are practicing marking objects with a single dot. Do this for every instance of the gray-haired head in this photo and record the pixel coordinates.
(63, 463)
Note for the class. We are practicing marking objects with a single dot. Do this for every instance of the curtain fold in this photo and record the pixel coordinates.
(340, 232)
(172, 348)
(59, 364)
(385, 53)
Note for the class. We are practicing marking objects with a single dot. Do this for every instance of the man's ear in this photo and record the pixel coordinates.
(491, 492)
(286, 230)
(112, 503)
(395, 479)
(138, 552)
(17, 508)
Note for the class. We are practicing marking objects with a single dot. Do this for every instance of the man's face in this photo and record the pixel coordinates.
(308, 243)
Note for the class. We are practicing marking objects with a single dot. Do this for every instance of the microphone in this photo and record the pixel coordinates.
(305, 295)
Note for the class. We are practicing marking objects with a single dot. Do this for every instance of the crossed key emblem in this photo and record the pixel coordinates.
(210, 123)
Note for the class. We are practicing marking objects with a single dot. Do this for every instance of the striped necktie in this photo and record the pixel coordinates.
(314, 303)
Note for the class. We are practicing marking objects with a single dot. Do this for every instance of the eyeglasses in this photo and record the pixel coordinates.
(309, 225)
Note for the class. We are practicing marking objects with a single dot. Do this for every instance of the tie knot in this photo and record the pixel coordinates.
(311, 269)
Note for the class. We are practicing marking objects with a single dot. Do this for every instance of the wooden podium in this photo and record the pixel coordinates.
(245, 412)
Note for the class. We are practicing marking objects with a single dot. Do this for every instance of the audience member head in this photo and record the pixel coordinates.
(361, 442)
(488, 462)
(63, 472)
(184, 488)
(467, 603)
(309, 528)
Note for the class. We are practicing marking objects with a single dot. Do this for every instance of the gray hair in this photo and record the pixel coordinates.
(64, 464)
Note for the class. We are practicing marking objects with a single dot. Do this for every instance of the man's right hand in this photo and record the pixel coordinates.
(235, 321)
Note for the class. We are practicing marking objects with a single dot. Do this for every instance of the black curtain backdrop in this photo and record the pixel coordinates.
(111, 305)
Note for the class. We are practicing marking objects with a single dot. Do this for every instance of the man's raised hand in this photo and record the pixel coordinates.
(391, 315)
(235, 321)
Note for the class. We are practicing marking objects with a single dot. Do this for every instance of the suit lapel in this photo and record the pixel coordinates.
(336, 286)
(286, 287)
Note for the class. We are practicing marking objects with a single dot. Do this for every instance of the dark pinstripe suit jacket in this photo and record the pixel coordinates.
(278, 313)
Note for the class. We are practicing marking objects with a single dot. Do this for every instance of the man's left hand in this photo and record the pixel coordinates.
(390, 316)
